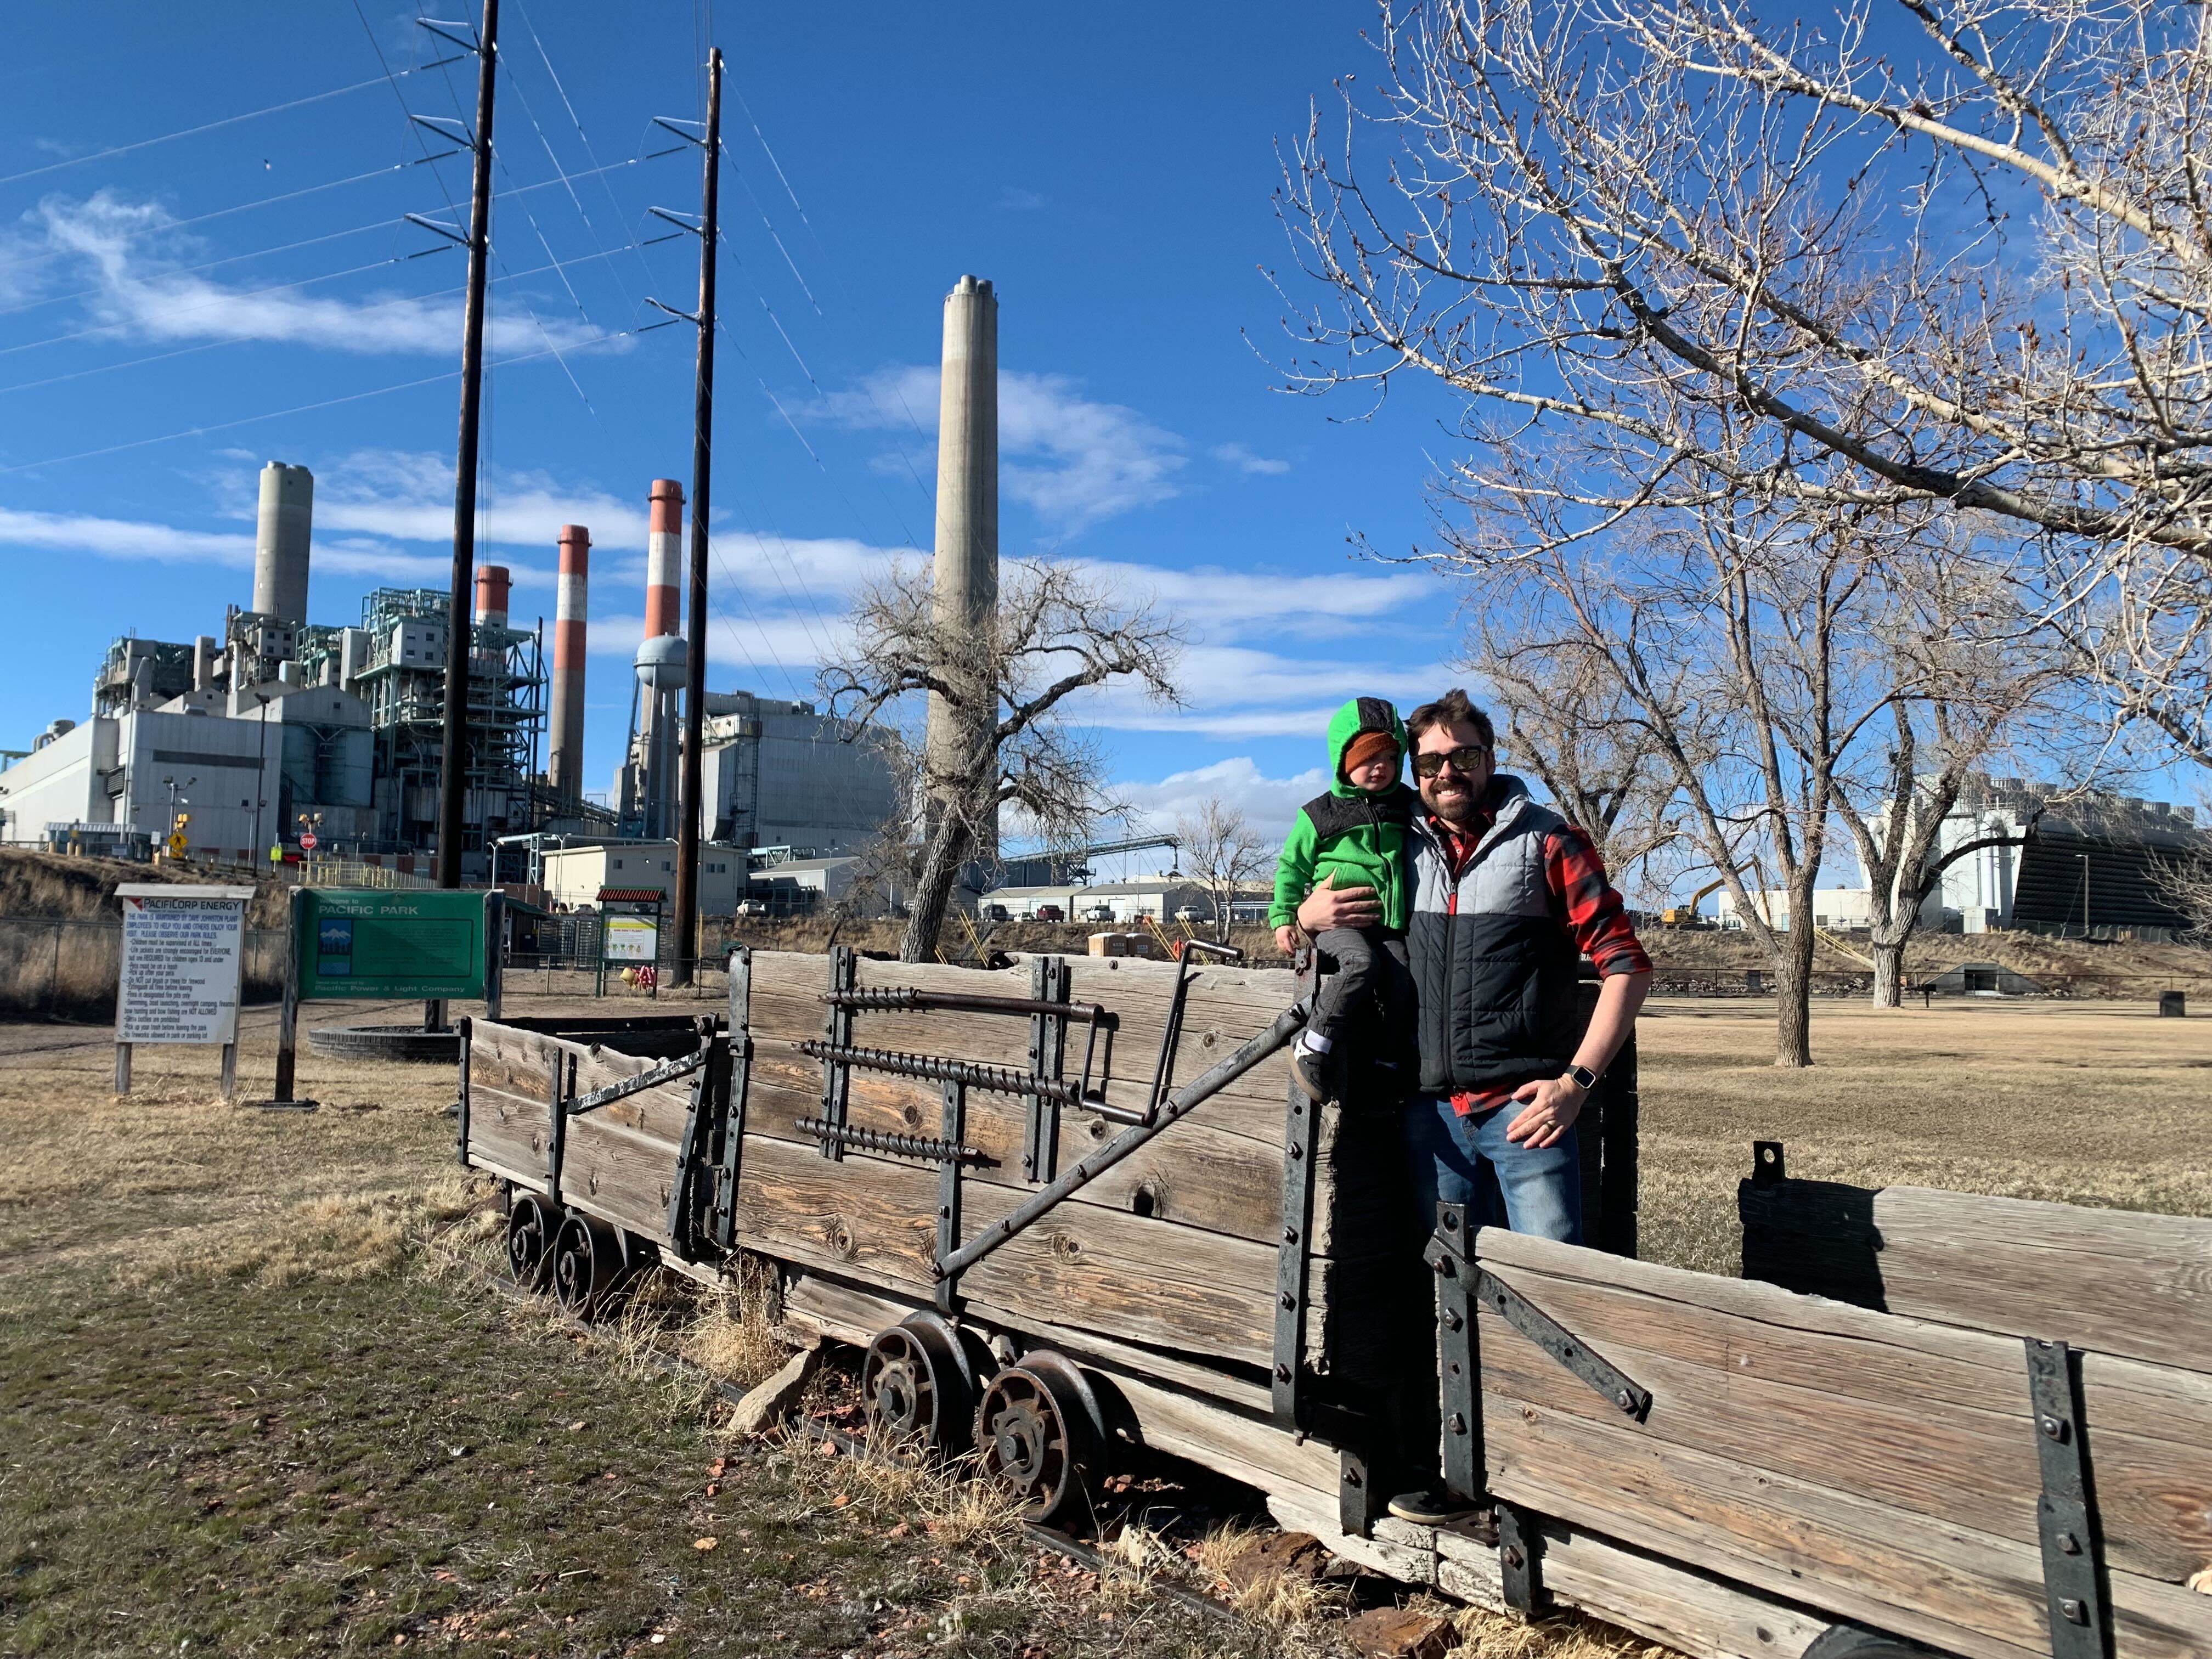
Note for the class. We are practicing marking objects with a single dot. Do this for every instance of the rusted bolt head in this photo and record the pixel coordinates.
(1625, 1399)
(2053, 1429)
(1290, 1235)
(1282, 1373)
(1289, 1300)
(1452, 1321)
(1458, 1423)
(2069, 1544)
(1511, 1556)
(2073, 1612)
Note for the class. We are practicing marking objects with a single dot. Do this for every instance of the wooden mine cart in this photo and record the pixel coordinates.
(1067, 1207)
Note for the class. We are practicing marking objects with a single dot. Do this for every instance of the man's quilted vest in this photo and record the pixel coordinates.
(1492, 959)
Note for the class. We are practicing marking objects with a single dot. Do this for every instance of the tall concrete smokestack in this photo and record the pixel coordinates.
(494, 583)
(281, 533)
(965, 577)
(565, 756)
(664, 560)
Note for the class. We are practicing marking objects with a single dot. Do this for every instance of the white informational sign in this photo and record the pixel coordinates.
(181, 956)
(633, 939)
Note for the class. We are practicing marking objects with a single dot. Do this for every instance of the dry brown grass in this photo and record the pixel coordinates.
(734, 1337)
(2083, 1102)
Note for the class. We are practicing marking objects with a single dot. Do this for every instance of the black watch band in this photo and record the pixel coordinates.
(1585, 1078)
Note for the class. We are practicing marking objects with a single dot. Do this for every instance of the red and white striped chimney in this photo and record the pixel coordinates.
(663, 560)
(565, 753)
(494, 582)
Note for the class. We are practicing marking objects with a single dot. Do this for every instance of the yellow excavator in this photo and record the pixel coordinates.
(1686, 915)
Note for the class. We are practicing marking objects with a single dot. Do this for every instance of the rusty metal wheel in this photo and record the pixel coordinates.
(588, 1266)
(530, 1231)
(919, 1383)
(1041, 1435)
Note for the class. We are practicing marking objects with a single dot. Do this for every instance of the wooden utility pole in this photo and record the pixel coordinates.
(703, 477)
(454, 759)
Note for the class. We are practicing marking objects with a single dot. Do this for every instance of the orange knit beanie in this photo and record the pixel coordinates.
(1368, 746)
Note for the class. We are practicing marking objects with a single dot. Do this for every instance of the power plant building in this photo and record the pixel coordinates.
(277, 724)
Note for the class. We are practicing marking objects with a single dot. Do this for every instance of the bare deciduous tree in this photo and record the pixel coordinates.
(1225, 853)
(1960, 254)
(1568, 721)
(1006, 681)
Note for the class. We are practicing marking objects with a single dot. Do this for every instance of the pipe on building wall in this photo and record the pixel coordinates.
(281, 532)
(572, 608)
(664, 560)
(494, 583)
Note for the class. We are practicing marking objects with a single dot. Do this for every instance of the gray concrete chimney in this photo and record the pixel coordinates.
(965, 577)
(281, 535)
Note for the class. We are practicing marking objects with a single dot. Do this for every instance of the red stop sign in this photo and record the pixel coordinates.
(306, 841)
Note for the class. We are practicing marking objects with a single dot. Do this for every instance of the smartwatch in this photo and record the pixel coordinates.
(1585, 1078)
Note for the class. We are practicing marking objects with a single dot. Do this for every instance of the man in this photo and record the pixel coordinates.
(1508, 898)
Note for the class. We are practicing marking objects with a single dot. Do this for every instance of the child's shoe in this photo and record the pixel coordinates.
(1310, 1067)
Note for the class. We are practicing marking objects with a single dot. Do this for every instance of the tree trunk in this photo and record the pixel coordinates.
(1889, 965)
(1793, 992)
(932, 889)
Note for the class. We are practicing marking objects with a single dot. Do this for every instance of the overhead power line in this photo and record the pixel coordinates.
(210, 126)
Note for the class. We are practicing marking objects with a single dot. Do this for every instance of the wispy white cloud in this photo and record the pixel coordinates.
(1074, 460)
(1014, 199)
(1268, 804)
(1246, 459)
(130, 251)
(121, 538)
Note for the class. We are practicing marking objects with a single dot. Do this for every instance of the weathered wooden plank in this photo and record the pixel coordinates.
(1195, 1174)
(2119, 1281)
(1687, 1610)
(1864, 1450)
(508, 1131)
(1242, 1448)
(621, 1173)
(1085, 1265)
(1928, 1432)
(1225, 1007)
(1965, 1592)
(1409, 1556)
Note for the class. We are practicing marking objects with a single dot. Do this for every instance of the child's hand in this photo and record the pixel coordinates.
(1287, 938)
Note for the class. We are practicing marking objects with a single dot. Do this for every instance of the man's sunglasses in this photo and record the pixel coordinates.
(1462, 761)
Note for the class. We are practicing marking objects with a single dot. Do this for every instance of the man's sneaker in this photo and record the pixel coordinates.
(1311, 1070)
(1431, 1507)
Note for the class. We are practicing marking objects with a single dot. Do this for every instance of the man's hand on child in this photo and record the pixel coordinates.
(1330, 906)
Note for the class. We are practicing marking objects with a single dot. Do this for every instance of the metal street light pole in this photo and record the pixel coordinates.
(2084, 857)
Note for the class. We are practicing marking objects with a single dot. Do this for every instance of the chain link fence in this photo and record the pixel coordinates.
(68, 970)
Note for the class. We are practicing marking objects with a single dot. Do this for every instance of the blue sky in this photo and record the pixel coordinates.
(1111, 171)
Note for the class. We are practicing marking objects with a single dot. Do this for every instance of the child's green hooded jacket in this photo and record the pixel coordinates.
(1360, 837)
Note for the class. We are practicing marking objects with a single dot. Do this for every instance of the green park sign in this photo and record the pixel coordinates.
(382, 943)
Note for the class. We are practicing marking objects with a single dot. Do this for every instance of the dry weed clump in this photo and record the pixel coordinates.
(1292, 1604)
(1486, 1635)
(943, 1499)
(735, 1339)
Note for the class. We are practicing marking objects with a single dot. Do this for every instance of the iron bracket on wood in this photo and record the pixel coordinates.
(1769, 1167)
(954, 1129)
(886, 1140)
(707, 1086)
(1457, 1353)
(836, 1070)
(461, 1105)
(1186, 1099)
(2074, 1582)
(668, 1072)
(1520, 1562)
(739, 1077)
(1293, 1252)
(1360, 1500)
(1632, 1398)
(1049, 983)
(560, 1083)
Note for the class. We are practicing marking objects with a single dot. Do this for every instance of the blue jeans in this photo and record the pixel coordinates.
(1445, 1153)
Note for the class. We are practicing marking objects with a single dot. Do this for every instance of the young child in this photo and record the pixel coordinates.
(1356, 834)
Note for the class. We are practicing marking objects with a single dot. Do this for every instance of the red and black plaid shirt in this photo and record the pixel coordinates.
(1586, 904)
